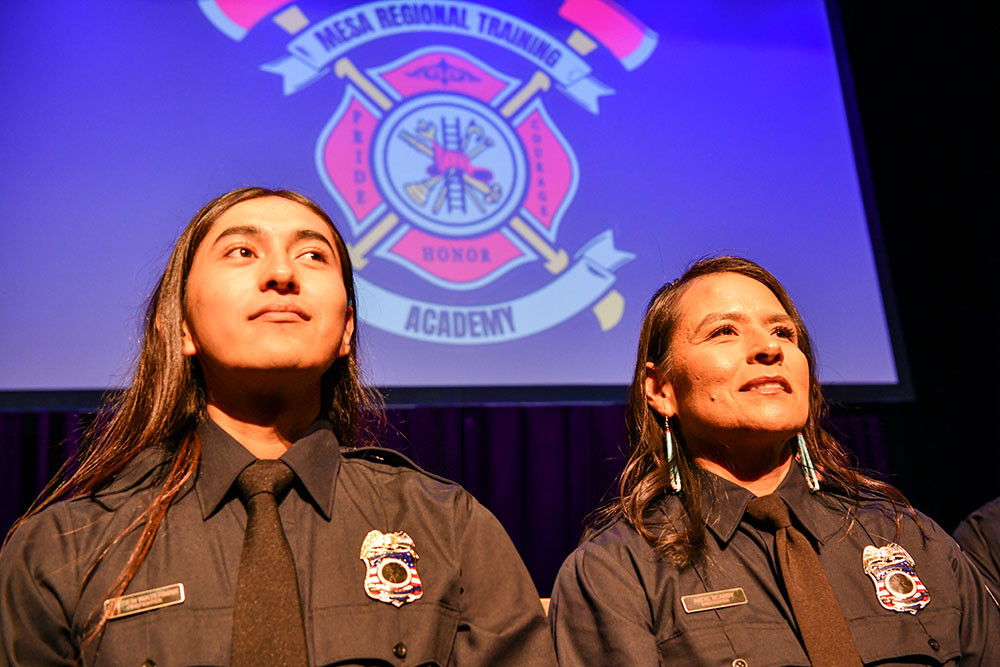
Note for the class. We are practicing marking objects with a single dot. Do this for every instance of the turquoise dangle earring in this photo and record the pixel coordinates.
(675, 473)
(808, 469)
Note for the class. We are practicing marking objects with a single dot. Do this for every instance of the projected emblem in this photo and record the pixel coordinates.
(441, 181)
(452, 178)
(448, 164)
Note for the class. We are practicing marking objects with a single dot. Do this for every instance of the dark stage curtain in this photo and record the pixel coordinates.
(541, 470)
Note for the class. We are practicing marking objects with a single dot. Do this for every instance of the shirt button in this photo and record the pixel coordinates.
(933, 643)
(399, 650)
(739, 662)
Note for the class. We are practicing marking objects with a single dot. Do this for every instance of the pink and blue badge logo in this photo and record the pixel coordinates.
(439, 178)
(451, 169)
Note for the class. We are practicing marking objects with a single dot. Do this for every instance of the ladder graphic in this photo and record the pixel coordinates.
(454, 182)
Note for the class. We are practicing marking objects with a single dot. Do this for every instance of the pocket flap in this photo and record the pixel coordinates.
(419, 634)
(897, 634)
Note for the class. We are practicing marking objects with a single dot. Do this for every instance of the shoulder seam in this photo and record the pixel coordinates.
(389, 462)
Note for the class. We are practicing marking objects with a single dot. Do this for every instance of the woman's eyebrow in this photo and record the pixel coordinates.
(734, 315)
(779, 317)
(738, 316)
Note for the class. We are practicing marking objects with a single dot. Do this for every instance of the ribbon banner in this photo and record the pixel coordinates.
(582, 284)
(323, 42)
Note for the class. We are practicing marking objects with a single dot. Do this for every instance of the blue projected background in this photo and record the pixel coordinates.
(515, 179)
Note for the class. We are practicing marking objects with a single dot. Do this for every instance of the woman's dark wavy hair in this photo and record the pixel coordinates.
(646, 477)
(165, 400)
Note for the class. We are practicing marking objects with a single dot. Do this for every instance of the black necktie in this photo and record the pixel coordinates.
(821, 622)
(267, 615)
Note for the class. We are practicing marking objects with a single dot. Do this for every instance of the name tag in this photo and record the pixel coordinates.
(713, 600)
(136, 603)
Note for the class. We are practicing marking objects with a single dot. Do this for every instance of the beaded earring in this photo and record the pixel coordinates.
(808, 469)
(675, 473)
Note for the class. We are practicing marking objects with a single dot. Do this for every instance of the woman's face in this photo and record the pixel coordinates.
(266, 292)
(737, 375)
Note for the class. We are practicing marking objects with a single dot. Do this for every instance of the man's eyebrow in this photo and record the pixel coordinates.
(237, 230)
(303, 234)
(253, 230)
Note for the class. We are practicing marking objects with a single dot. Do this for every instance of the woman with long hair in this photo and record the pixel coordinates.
(212, 517)
(742, 535)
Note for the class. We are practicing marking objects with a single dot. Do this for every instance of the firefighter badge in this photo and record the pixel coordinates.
(392, 568)
(897, 586)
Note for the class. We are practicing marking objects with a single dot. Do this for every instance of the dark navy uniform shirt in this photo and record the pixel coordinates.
(979, 537)
(478, 607)
(616, 603)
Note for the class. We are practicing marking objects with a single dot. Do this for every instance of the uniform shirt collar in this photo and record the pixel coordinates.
(314, 458)
(724, 505)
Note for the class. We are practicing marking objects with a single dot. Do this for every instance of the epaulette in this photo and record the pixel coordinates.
(388, 457)
(147, 468)
(591, 532)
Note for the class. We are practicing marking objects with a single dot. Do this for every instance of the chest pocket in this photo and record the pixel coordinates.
(380, 634)
(169, 637)
(886, 639)
(902, 635)
(758, 644)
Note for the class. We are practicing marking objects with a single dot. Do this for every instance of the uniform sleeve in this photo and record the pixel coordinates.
(502, 620)
(34, 624)
(979, 537)
(599, 613)
(980, 624)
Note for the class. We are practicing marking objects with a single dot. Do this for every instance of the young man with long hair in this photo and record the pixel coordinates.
(219, 511)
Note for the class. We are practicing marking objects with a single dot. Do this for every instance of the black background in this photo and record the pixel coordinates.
(922, 76)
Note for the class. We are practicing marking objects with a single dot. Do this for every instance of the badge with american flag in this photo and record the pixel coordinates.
(897, 586)
(392, 568)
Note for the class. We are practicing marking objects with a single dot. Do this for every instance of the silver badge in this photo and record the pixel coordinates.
(392, 568)
(897, 586)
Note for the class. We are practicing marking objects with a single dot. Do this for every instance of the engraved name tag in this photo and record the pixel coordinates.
(713, 600)
(136, 603)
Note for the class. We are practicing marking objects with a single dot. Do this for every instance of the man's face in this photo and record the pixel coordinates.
(266, 292)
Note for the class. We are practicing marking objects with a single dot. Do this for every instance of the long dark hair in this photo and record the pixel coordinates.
(646, 477)
(165, 400)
